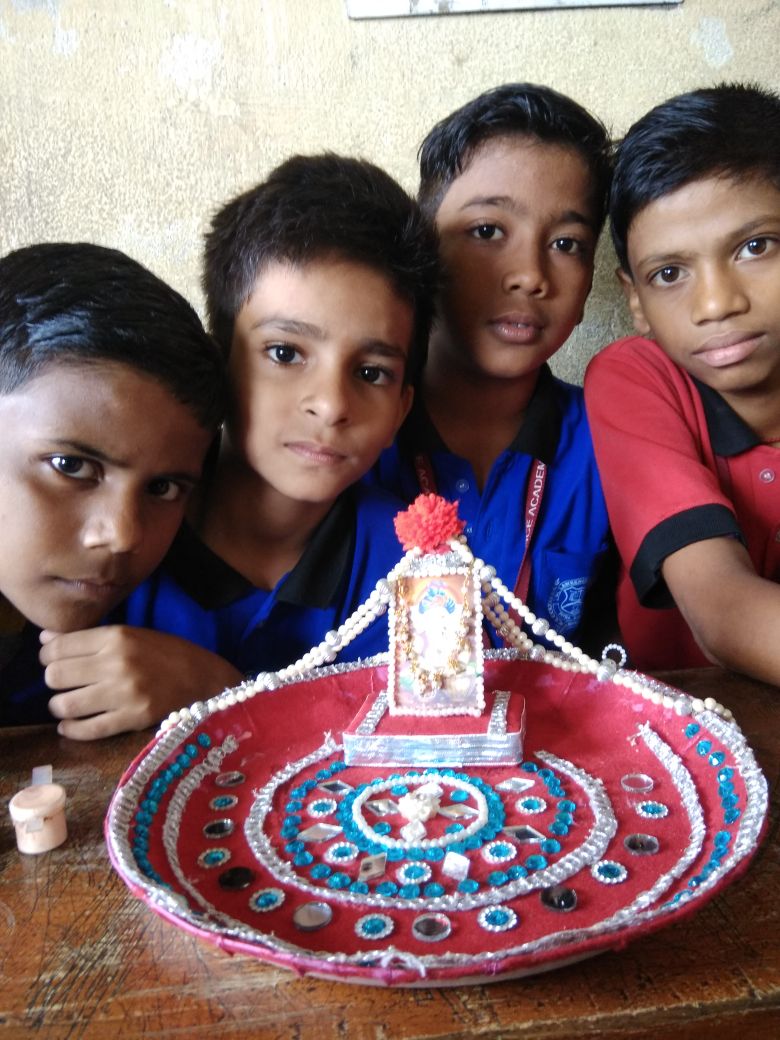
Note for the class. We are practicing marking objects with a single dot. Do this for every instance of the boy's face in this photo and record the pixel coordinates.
(96, 463)
(705, 261)
(518, 235)
(316, 370)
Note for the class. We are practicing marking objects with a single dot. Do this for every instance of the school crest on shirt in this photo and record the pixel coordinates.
(564, 607)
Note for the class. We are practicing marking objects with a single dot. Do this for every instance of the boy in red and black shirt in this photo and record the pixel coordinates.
(686, 417)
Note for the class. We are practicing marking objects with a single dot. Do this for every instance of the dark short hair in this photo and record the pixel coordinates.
(522, 109)
(730, 130)
(77, 303)
(315, 207)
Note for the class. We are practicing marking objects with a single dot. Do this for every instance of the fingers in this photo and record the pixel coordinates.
(96, 727)
(94, 712)
(85, 643)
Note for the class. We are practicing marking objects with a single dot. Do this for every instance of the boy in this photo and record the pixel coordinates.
(686, 419)
(110, 394)
(516, 183)
(319, 283)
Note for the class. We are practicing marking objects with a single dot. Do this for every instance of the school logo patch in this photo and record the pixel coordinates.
(564, 607)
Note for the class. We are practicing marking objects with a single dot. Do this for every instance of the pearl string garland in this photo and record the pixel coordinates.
(562, 654)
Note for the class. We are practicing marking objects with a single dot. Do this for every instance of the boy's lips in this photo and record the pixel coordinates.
(95, 588)
(728, 348)
(516, 328)
(312, 451)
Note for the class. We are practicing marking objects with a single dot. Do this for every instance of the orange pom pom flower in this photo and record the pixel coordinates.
(428, 524)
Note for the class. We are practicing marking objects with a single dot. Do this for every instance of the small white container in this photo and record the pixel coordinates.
(38, 814)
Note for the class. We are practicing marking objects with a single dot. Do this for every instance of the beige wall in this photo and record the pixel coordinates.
(127, 123)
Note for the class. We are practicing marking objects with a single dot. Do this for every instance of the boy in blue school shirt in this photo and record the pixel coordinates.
(319, 282)
(516, 182)
(110, 394)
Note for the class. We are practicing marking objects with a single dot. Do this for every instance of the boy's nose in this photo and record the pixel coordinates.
(327, 398)
(116, 525)
(717, 294)
(525, 272)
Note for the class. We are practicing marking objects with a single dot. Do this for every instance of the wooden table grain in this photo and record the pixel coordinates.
(82, 958)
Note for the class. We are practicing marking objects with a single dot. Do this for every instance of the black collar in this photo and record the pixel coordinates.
(313, 582)
(729, 435)
(537, 436)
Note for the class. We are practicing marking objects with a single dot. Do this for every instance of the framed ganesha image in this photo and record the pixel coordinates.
(436, 657)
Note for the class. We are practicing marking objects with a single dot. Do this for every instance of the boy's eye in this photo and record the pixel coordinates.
(755, 247)
(666, 276)
(165, 489)
(375, 374)
(570, 246)
(283, 354)
(74, 466)
(485, 232)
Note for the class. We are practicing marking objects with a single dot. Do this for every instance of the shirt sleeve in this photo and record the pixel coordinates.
(658, 470)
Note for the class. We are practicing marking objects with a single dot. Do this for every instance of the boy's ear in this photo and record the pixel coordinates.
(404, 406)
(632, 299)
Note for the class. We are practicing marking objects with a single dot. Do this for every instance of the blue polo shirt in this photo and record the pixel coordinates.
(197, 595)
(24, 695)
(570, 542)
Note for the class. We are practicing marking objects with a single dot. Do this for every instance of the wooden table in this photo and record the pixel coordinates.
(82, 958)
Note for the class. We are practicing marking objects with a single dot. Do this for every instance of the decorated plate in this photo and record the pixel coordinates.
(631, 805)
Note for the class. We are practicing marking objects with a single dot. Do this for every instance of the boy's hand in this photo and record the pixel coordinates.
(121, 678)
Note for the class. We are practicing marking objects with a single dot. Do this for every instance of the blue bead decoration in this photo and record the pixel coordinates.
(516, 871)
(536, 862)
(609, 872)
(529, 767)
(320, 870)
(566, 805)
(387, 888)
(409, 891)
(497, 878)
(550, 845)
(717, 758)
(459, 795)
(373, 926)
(204, 740)
(732, 815)
(692, 729)
(433, 890)
(415, 871)
(559, 828)
(267, 899)
(399, 790)
(339, 881)
(704, 747)
(359, 887)
(303, 859)
(468, 886)
(725, 774)
(382, 827)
